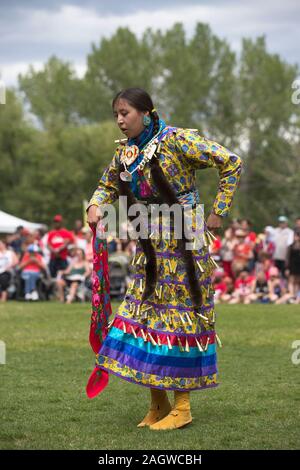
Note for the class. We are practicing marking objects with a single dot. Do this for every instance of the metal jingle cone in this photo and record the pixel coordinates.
(125, 176)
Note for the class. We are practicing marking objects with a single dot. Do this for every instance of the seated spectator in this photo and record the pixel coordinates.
(260, 290)
(75, 274)
(243, 287)
(8, 260)
(32, 266)
(220, 287)
(227, 295)
(277, 290)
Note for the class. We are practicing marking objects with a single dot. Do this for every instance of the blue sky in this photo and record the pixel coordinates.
(33, 30)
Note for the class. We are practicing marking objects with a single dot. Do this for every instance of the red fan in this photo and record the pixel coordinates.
(97, 382)
(101, 309)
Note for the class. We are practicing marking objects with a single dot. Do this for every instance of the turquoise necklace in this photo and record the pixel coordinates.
(132, 151)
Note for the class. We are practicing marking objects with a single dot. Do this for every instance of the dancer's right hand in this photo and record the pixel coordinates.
(93, 215)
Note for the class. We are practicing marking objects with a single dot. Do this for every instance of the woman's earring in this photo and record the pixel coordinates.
(146, 120)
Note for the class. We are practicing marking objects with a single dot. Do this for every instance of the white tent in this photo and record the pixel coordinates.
(9, 223)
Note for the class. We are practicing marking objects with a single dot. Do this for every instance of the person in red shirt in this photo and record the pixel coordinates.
(242, 252)
(227, 295)
(243, 287)
(58, 240)
(220, 287)
(32, 265)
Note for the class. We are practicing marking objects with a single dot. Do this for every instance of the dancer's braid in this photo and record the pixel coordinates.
(155, 118)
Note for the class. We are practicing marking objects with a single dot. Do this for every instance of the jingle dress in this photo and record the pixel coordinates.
(167, 345)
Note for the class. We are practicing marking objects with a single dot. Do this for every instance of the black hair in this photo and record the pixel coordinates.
(140, 100)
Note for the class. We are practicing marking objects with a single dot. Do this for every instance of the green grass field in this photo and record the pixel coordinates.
(42, 385)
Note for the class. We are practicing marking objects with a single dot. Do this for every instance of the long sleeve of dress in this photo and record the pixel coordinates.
(107, 190)
(199, 152)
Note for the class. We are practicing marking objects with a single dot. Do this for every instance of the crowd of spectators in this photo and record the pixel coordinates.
(253, 268)
(258, 268)
(39, 265)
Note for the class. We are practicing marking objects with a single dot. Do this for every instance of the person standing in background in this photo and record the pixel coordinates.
(57, 242)
(283, 238)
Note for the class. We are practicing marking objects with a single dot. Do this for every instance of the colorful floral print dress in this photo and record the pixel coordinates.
(165, 344)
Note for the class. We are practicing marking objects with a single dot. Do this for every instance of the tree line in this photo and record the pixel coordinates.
(57, 131)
